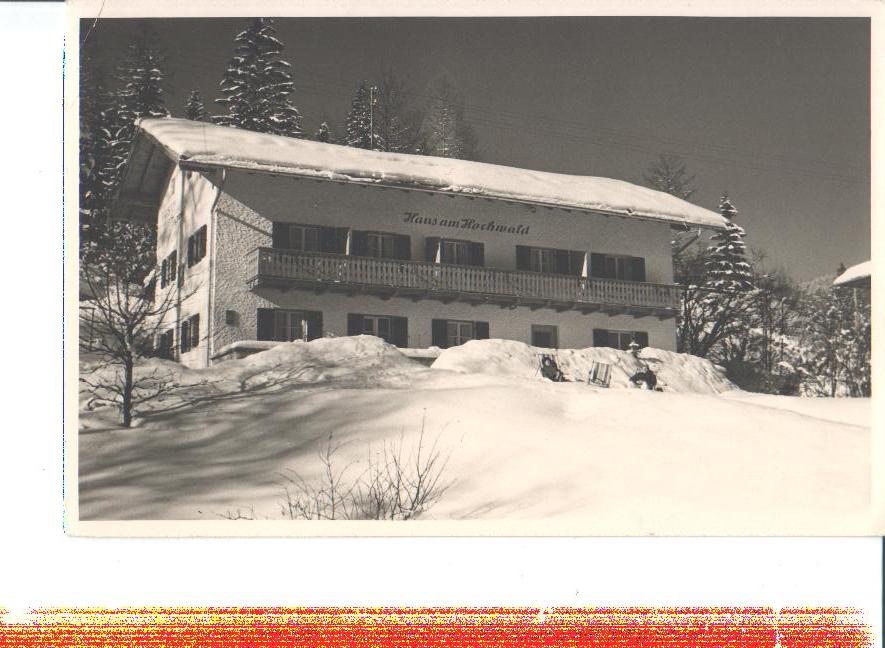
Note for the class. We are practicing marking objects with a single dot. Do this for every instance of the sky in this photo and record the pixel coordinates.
(774, 111)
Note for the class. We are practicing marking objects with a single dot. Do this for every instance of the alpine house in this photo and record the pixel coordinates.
(266, 238)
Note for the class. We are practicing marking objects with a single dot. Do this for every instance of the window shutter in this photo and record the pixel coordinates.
(314, 324)
(399, 331)
(173, 266)
(523, 257)
(477, 254)
(600, 337)
(358, 243)
(597, 265)
(201, 238)
(280, 236)
(438, 331)
(163, 269)
(195, 331)
(641, 338)
(481, 330)
(354, 323)
(402, 247)
(190, 251)
(184, 338)
(431, 249)
(265, 324)
(561, 262)
(576, 263)
(638, 273)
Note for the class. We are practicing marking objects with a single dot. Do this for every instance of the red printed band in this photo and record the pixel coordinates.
(449, 627)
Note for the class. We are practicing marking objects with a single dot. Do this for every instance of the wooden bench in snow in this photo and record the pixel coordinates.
(600, 374)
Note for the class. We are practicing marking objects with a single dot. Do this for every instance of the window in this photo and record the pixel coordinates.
(166, 344)
(387, 327)
(454, 252)
(284, 325)
(190, 333)
(231, 318)
(550, 260)
(196, 246)
(309, 238)
(608, 266)
(619, 339)
(305, 238)
(168, 269)
(381, 245)
(546, 337)
(449, 333)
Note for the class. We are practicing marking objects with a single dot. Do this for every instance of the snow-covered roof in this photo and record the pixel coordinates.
(207, 144)
(857, 276)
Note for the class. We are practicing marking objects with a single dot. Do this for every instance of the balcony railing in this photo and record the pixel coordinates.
(388, 277)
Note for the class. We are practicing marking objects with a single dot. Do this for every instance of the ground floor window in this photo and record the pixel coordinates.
(287, 325)
(387, 327)
(546, 337)
(190, 333)
(619, 339)
(166, 344)
(449, 333)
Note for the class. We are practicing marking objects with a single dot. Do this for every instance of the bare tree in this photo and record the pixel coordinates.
(123, 326)
(668, 174)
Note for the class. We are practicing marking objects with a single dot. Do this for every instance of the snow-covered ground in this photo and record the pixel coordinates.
(699, 457)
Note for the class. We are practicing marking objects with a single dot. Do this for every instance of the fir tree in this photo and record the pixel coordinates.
(141, 79)
(324, 134)
(397, 125)
(668, 174)
(194, 108)
(726, 264)
(449, 134)
(359, 120)
(257, 85)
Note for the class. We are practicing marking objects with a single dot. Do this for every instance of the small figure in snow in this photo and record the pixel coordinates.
(550, 371)
(634, 348)
(645, 376)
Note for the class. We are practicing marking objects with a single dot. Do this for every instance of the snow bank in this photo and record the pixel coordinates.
(220, 145)
(675, 371)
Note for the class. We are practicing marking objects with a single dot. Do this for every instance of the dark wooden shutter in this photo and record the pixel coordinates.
(333, 239)
(265, 324)
(314, 324)
(399, 331)
(523, 257)
(600, 337)
(477, 254)
(481, 330)
(561, 260)
(354, 324)
(638, 267)
(184, 337)
(402, 247)
(576, 263)
(641, 338)
(202, 241)
(195, 331)
(190, 251)
(438, 333)
(163, 270)
(597, 265)
(358, 243)
(173, 266)
(431, 247)
(280, 236)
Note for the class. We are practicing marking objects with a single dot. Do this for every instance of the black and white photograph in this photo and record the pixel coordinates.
(594, 274)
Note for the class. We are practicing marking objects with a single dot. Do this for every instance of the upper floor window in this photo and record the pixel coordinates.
(549, 260)
(454, 251)
(304, 238)
(610, 266)
(381, 245)
(309, 238)
(196, 246)
(169, 269)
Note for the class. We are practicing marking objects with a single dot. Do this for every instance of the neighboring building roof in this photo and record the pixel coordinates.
(857, 276)
(203, 144)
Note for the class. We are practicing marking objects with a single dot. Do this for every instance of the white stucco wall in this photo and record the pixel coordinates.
(251, 201)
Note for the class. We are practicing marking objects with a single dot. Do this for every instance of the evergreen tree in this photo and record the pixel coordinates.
(668, 174)
(257, 85)
(359, 120)
(324, 134)
(141, 79)
(727, 267)
(397, 124)
(449, 133)
(194, 108)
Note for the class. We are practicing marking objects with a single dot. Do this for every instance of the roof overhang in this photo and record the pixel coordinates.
(144, 181)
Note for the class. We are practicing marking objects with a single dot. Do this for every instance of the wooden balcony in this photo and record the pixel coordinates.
(386, 278)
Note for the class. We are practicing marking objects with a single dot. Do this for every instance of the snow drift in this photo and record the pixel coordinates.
(676, 372)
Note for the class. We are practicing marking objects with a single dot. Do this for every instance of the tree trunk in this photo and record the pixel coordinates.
(126, 406)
